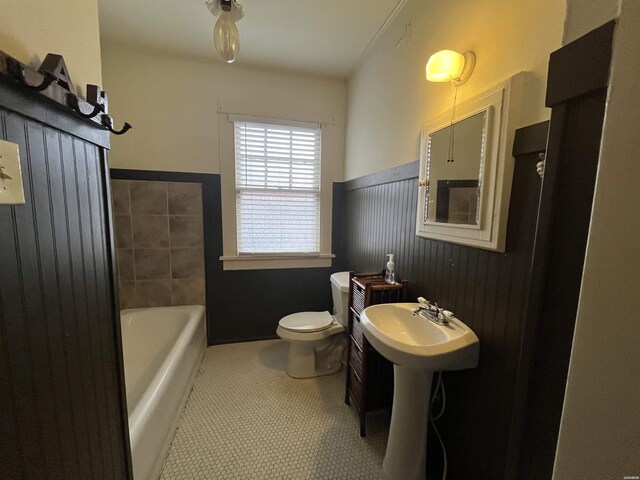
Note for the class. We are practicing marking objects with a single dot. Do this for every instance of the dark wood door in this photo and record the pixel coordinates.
(63, 413)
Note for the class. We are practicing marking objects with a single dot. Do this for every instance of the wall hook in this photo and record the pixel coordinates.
(72, 102)
(540, 165)
(107, 122)
(16, 71)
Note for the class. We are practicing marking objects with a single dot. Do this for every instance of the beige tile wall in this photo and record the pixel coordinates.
(159, 243)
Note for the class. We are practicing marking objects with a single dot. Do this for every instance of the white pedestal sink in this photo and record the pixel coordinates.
(417, 347)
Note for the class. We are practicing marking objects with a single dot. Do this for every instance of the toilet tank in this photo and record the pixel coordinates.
(340, 293)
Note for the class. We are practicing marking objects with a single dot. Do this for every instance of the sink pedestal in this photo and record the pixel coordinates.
(405, 457)
(417, 347)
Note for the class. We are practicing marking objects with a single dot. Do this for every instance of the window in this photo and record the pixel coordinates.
(277, 188)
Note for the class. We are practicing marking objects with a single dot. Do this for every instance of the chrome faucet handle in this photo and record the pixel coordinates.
(431, 306)
(426, 302)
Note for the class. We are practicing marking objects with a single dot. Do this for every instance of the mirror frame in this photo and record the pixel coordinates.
(503, 103)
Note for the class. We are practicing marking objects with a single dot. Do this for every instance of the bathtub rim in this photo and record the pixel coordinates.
(193, 332)
(169, 364)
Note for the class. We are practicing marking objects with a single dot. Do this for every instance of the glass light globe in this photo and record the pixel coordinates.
(226, 38)
(445, 66)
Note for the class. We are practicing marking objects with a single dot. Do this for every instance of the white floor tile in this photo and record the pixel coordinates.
(246, 419)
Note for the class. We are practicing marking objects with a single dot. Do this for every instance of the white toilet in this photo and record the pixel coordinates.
(317, 340)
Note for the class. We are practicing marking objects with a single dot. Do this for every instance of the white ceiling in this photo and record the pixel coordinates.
(324, 37)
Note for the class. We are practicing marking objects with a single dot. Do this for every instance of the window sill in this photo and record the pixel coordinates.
(269, 262)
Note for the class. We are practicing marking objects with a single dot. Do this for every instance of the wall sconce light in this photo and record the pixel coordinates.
(450, 66)
(225, 33)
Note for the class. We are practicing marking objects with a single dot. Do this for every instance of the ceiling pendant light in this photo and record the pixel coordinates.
(226, 37)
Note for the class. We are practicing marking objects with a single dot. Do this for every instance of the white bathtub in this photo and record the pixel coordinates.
(163, 348)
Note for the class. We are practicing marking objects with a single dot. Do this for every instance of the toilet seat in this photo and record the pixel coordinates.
(307, 322)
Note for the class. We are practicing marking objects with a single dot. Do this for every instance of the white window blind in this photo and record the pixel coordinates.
(277, 188)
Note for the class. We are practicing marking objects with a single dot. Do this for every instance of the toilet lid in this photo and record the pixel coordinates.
(307, 321)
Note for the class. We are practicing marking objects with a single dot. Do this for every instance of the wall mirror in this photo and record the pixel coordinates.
(454, 159)
(466, 169)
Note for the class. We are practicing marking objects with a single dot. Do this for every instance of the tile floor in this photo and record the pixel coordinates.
(246, 419)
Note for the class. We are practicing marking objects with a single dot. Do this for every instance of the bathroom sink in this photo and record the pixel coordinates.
(417, 347)
(414, 341)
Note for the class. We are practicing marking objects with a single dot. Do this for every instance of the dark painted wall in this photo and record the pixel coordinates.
(247, 305)
(250, 303)
(62, 411)
(487, 290)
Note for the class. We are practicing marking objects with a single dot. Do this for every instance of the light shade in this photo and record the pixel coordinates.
(450, 66)
(226, 38)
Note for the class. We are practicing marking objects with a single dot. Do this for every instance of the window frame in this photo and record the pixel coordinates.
(231, 258)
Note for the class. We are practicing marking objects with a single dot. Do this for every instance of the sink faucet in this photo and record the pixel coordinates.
(430, 311)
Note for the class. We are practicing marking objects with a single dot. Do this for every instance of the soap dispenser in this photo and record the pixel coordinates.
(390, 274)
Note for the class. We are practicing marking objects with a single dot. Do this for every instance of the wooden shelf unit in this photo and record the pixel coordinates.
(369, 381)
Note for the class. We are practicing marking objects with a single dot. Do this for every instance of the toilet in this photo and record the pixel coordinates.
(317, 340)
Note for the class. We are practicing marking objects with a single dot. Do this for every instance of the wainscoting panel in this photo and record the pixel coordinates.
(577, 115)
(485, 289)
(62, 387)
